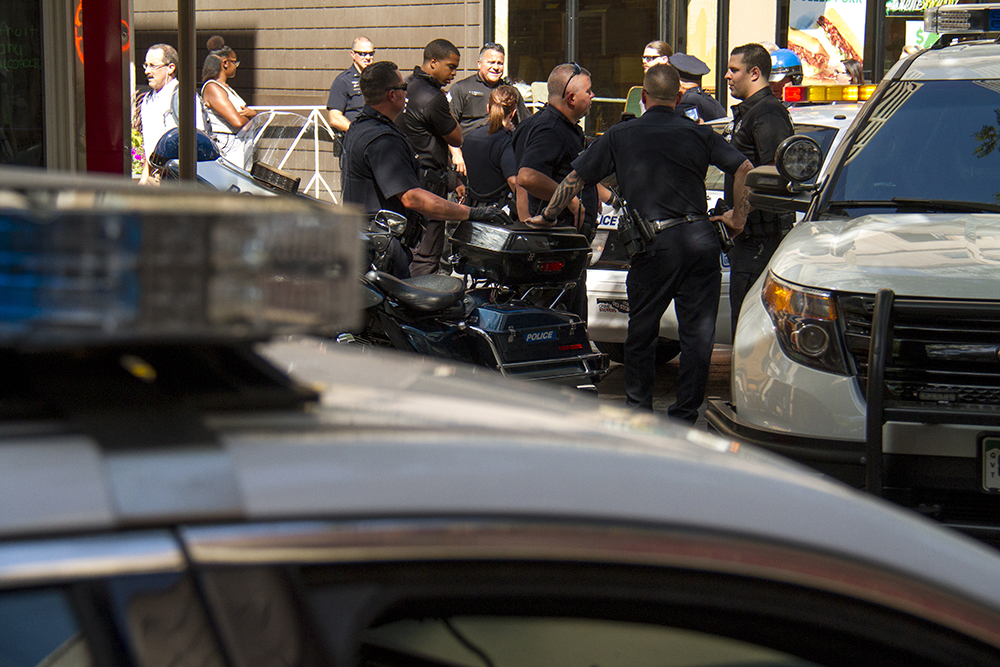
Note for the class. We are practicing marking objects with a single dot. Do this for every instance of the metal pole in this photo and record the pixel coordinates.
(722, 52)
(572, 12)
(185, 77)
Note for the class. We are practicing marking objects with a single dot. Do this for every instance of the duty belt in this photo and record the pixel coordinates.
(660, 225)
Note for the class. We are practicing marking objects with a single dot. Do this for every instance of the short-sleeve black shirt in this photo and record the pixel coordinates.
(489, 159)
(760, 123)
(548, 142)
(377, 165)
(469, 101)
(661, 159)
(345, 93)
(426, 120)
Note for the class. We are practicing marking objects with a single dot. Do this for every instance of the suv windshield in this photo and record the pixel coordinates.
(926, 142)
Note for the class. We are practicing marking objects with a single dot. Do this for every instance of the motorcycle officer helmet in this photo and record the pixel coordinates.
(784, 63)
(168, 148)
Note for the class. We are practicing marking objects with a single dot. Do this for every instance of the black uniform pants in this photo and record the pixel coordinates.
(427, 252)
(747, 260)
(681, 265)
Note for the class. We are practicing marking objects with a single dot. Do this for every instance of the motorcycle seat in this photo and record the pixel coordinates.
(426, 294)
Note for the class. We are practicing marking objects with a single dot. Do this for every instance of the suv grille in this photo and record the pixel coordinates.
(944, 352)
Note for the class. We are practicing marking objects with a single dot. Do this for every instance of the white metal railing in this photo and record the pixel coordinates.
(313, 124)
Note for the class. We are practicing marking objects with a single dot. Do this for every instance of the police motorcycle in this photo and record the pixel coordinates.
(482, 317)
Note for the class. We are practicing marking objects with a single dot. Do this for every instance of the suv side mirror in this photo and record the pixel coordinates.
(781, 188)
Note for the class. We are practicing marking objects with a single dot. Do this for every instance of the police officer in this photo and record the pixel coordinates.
(661, 160)
(545, 146)
(760, 123)
(695, 103)
(428, 123)
(345, 102)
(470, 97)
(378, 168)
(786, 70)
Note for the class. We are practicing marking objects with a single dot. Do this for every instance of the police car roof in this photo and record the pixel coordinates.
(969, 60)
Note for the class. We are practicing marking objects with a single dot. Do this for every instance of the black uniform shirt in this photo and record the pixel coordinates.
(760, 123)
(704, 105)
(345, 93)
(470, 98)
(377, 165)
(489, 159)
(661, 159)
(548, 142)
(426, 120)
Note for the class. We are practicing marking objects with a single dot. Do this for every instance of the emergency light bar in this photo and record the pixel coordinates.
(101, 261)
(962, 19)
(819, 94)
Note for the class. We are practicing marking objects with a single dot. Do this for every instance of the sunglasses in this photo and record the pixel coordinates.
(648, 59)
(577, 70)
(234, 63)
(401, 86)
(364, 54)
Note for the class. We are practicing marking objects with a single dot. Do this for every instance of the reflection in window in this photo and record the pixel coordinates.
(38, 628)
(930, 140)
(475, 641)
(22, 111)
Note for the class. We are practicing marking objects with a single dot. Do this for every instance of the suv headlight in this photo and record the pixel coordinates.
(805, 321)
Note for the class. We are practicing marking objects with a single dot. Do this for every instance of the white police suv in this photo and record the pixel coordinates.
(870, 348)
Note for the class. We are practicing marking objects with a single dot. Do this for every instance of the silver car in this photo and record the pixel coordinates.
(182, 483)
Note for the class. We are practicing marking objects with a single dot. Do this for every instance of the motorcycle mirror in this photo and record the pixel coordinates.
(391, 221)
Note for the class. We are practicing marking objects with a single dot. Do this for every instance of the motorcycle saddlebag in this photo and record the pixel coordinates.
(519, 257)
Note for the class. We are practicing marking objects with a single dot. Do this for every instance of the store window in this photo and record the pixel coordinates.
(22, 111)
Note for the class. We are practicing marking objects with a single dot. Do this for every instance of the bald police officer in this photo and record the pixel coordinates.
(661, 160)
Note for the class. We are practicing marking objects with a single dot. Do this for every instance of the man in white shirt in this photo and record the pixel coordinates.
(156, 107)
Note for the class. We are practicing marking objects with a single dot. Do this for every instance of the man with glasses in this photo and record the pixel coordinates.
(378, 169)
(470, 96)
(545, 146)
(660, 160)
(345, 102)
(430, 126)
(158, 109)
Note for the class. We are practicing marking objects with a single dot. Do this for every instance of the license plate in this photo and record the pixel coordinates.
(541, 336)
(990, 449)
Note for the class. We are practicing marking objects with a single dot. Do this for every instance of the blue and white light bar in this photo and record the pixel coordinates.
(962, 19)
(87, 261)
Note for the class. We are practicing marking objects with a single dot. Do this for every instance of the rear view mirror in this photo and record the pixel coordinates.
(392, 222)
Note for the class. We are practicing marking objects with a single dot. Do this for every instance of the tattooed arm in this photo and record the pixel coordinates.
(571, 186)
(736, 219)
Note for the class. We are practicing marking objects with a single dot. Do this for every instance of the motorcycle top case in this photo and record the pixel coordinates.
(513, 257)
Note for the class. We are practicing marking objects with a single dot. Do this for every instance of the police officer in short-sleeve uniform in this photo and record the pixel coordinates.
(428, 123)
(661, 160)
(344, 102)
(760, 124)
(470, 97)
(378, 167)
(545, 146)
(695, 103)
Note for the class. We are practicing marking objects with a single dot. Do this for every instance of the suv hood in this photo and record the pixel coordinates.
(936, 255)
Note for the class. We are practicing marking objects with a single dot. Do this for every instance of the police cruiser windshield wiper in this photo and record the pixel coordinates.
(922, 205)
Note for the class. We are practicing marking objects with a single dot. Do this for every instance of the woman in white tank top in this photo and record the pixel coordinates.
(227, 111)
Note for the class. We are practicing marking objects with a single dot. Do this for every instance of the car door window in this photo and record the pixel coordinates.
(38, 627)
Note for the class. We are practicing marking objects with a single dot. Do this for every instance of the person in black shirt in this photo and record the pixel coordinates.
(378, 170)
(545, 146)
(492, 167)
(345, 102)
(695, 103)
(469, 97)
(760, 123)
(429, 125)
(660, 160)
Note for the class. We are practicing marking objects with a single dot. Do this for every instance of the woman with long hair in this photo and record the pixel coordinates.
(656, 52)
(489, 153)
(849, 72)
(228, 113)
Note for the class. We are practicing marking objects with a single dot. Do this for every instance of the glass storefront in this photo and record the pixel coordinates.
(607, 39)
(22, 112)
